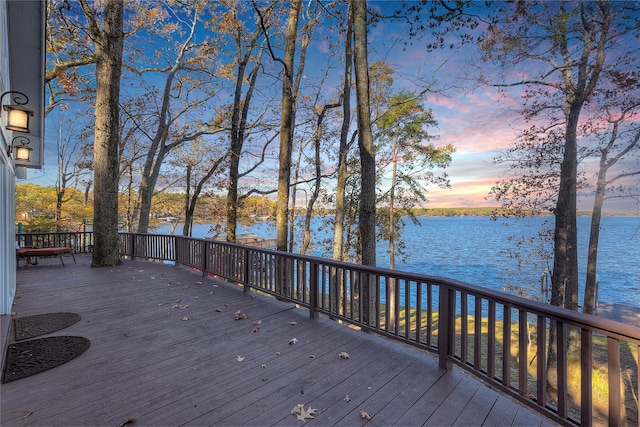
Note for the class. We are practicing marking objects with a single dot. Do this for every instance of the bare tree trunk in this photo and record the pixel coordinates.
(238, 124)
(188, 209)
(342, 173)
(391, 296)
(367, 217)
(108, 50)
(286, 128)
(589, 303)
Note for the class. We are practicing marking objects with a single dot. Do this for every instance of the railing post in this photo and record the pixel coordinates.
(205, 255)
(247, 270)
(445, 326)
(313, 291)
(132, 245)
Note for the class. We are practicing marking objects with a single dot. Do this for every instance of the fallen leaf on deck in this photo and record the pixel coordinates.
(198, 283)
(344, 355)
(218, 310)
(129, 421)
(293, 341)
(256, 329)
(178, 300)
(311, 356)
(257, 322)
(27, 414)
(239, 315)
(185, 318)
(293, 323)
(303, 414)
(263, 366)
(181, 306)
(239, 358)
(278, 353)
(364, 415)
(347, 398)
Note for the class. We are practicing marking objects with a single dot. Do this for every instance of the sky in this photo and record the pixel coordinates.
(477, 121)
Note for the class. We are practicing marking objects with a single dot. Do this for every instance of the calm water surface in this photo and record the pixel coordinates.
(483, 252)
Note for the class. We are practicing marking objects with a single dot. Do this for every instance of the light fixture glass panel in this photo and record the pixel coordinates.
(23, 153)
(18, 120)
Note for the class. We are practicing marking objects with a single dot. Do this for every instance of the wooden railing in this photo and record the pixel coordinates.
(502, 339)
(80, 241)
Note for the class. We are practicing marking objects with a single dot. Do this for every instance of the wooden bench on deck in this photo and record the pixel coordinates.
(51, 251)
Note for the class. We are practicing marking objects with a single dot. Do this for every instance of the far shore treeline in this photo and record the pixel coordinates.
(42, 209)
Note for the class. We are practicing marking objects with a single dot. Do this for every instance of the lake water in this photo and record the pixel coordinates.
(476, 250)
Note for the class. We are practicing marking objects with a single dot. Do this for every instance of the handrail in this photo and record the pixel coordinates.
(78, 241)
(462, 323)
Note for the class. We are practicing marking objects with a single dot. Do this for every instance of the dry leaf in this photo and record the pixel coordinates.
(256, 329)
(293, 341)
(296, 409)
(129, 421)
(311, 356)
(198, 283)
(365, 416)
(178, 300)
(293, 323)
(218, 310)
(347, 398)
(263, 366)
(303, 414)
(239, 358)
(257, 322)
(278, 353)
(239, 315)
(185, 318)
(27, 414)
(344, 355)
(181, 306)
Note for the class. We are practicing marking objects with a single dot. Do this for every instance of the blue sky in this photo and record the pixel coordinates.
(478, 121)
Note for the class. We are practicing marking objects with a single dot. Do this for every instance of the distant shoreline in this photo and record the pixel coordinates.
(489, 211)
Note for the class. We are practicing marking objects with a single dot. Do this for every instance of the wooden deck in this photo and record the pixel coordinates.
(165, 346)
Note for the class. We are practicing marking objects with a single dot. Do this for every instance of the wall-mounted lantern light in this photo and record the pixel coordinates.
(17, 114)
(23, 152)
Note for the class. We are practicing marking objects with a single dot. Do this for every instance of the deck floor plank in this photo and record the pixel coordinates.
(146, 362)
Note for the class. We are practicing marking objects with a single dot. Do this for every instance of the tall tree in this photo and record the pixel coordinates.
(73, 164)
(367, 216)
(342, 173)
(108, 38)
(566, 47)
(245, 51)
(565, 44)
(287, 122)
(367, 211)
(620, 142)
(187, 80)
